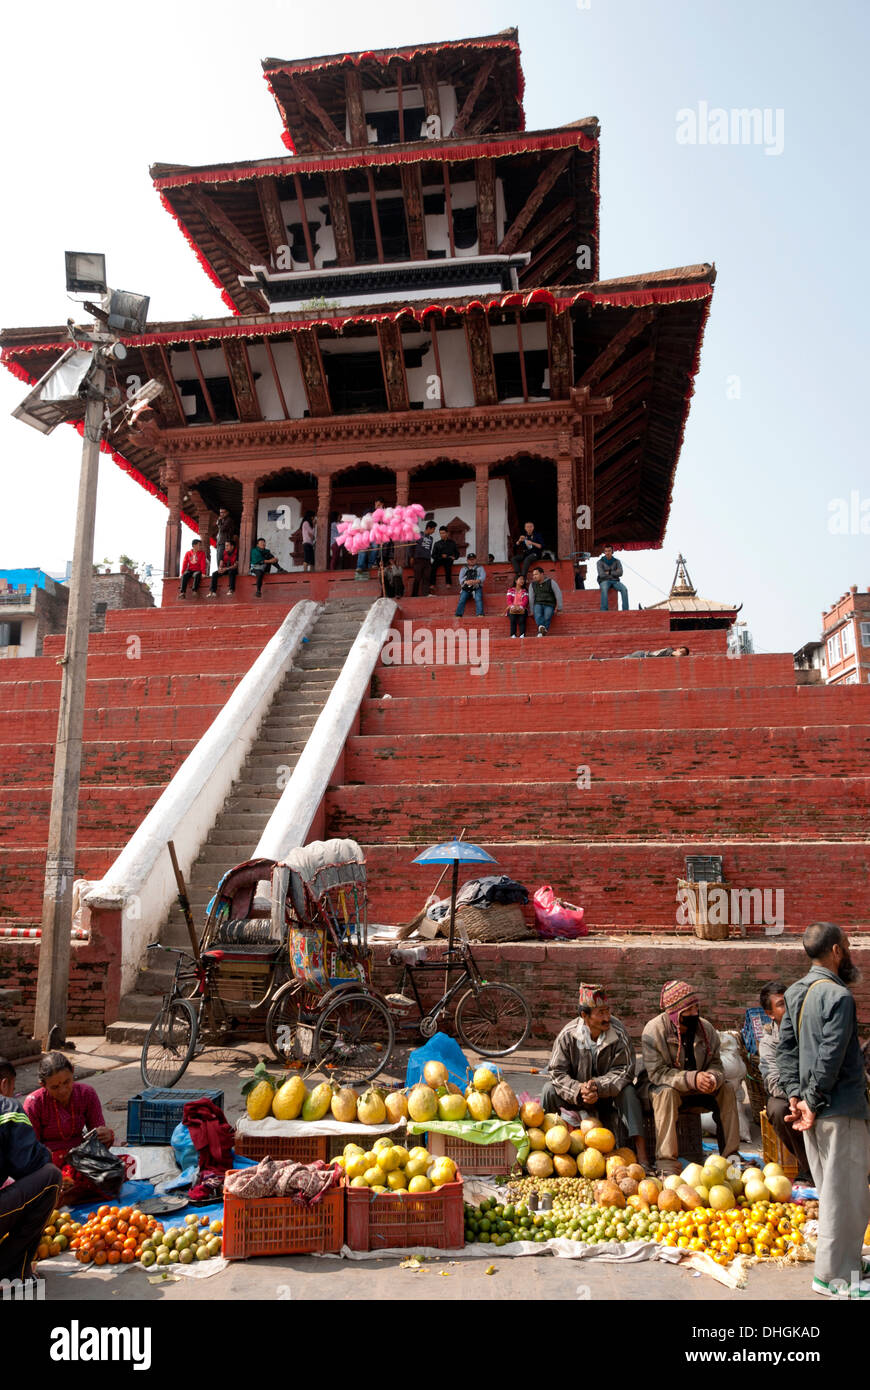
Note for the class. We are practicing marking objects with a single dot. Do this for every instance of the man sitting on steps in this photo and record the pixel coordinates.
(682, 1060)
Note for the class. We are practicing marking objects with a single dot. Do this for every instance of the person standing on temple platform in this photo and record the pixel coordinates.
(309, 536)
(228, 565)
(545, 597)
(367, 559)
(471, 578)
(421, 557)
(772, 1000)
(193, 567)
(262, 560)
(821, 1070)
(444, 552)
(527, 549)
(610, 577)
(224, 533)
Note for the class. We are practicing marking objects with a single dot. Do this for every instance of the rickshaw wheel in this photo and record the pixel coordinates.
(493, 1019)
(169, 1044)
(282, 1022)
(354, 1037)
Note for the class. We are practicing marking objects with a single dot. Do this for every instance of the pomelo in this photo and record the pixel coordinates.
(452, 1108)
(537, 1139)
(578, 1143)
(540, 1165)
(436, 1074)
(422, 1103)
(479, 1105)
(721, 1197)
(601, 1139)
(504, 1101)
(532, 1114)
(484, 1079)
(558, 1139)
(564, 1165)
(590, 1164)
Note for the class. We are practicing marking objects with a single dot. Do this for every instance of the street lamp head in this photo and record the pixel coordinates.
(128, 313)
(85, 272)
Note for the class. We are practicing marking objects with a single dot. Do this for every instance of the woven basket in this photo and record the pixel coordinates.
(707, 931)
(501, 922)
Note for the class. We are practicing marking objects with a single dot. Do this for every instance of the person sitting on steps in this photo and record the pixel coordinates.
(545, 597)
(471, 578)
(228, 565)
(262, 560)
(194, 566)
(528, 549)
(610, 577)
(444, 552)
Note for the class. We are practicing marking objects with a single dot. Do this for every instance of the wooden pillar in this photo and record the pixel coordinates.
(481, 511)
(172, 543)
(586, 491)
(566, 542)
(403, 486)
(207, 520)
(247, 531)
(324, 499)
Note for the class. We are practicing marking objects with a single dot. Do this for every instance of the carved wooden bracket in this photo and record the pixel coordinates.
(313, 374)
(241, 380)
(479, 343)
(412, 192)
(393, 360)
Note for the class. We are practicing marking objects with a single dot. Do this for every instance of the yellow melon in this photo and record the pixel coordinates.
(601, 1139)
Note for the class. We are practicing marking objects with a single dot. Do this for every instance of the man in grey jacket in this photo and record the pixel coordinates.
(610, 577)
(592, 1072)
(772, 1000)
(822, 1073)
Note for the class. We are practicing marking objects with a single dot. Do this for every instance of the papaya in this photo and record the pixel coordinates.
(318, 1102)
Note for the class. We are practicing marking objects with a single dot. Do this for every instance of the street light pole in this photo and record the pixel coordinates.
(52, 987)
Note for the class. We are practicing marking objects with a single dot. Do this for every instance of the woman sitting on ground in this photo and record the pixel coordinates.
(62, 1109)
(518, 606)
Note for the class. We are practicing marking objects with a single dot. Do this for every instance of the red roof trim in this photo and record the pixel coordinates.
(557, 140)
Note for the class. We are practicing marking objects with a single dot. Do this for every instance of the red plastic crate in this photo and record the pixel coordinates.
(480, 1160)
(279, 1226)
(302, 1148)
(435, 1219)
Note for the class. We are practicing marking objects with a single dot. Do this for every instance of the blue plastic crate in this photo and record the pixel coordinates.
(153, 1115)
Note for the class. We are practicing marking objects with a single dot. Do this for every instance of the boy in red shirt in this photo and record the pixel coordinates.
(194, 566)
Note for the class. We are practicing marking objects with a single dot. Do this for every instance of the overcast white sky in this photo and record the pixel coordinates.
(777, 428)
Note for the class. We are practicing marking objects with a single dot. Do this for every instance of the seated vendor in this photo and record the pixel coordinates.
(777, 1106)
(592, 1072)
(61, 1110)
(681, 1058)
(29, 1185)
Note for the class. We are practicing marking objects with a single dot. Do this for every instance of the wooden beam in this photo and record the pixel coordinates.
(635, 367)
(376, 221)
(393, 362)
(429, 84)
(448, 207)
(356, 112)
(244, 251)
(561, 260)
(480, 81)
(543, 227)
(313, 374)
(206, 394)
(336, 192)
(484, 174)
(546, 254)
(485, 119)
(614, 443)
(561, 355)
(306, 230)
(168, 403)
(441, 391)
(479, 344)
(617, 345)
(412, 192)
(545, 182)
(273, 217)
(242, 380)
(523, 376)
(308, 101)
(278, 387)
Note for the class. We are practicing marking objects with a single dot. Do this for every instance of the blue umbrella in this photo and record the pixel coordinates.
(453, 852)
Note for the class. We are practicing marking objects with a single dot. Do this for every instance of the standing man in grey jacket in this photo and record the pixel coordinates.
(821, 1068)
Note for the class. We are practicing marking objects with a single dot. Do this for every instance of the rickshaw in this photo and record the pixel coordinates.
(330, 1017)
(237, 966)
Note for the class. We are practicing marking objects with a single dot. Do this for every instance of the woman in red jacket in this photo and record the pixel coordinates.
(518, 606)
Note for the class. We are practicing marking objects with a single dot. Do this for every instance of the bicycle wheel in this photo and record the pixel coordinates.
(169, 1044)
(282, 1022)
(354, 1037)
(493, 1019)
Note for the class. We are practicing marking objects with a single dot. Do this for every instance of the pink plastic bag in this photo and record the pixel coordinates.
(555, 918)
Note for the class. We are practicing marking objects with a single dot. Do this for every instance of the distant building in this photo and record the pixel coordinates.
(34, 604)
(687, 610)
(846, 634)
(811, 657)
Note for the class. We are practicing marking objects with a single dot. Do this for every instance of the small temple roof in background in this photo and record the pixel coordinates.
(312, 94)
(683, 597)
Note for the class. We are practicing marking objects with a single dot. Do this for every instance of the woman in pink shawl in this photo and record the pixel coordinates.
(61, 1110)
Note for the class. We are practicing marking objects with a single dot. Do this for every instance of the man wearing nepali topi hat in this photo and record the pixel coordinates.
(681, 1058)
(592, 1072)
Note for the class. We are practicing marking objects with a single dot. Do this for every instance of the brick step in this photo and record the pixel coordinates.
(130, 1033)
(136, 761)
(238, 830)
(832, 750)
(535, 673)
(120, 723)
(210, 659)
(127, 690)
(568, 711)
(626, 883)
(833, 808)
(22, 873)
(139, 1008)
(655, 627)
(113, 809)
(156, 639)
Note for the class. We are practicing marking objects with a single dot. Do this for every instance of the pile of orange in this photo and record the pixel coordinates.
(58, 1234)
(113, 1235)
(765, 1230)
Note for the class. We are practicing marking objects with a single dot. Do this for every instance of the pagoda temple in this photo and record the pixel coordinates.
(415, 316)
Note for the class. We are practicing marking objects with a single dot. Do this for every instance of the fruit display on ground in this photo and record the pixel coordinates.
(197, 1238)
(59, 1232)
(391, 1168)
(112, 1235)
(556, 1149)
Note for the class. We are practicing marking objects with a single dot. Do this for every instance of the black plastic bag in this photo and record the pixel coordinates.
(92, 1160)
